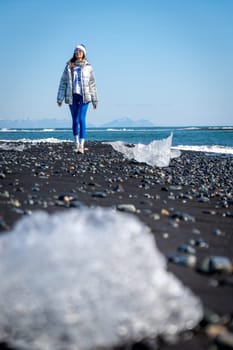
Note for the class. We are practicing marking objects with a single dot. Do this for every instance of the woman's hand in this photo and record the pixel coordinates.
(59, 104)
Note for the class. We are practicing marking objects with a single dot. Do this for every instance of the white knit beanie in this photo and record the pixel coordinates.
(81, 47)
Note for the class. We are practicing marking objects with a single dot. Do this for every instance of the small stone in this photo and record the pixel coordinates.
(118, 188)
(36, 187)
(187, 249)
(155, 217)
(130, 208)
(175, 187)
(165, 212)
(216, 264)
(185, 260)
(2, 176)
(201, 243)
(174, 224)
(65, 198)
(18, 211)
(225, 340)
(220, 264)
(5, 195)
(99, 194)
(16, 203)
(196, 231)
(203, 199)
(76, 204)
(182, 216)
(218, 232)
(213, 283)
(211, 317)
(210, 212)
(213, 330)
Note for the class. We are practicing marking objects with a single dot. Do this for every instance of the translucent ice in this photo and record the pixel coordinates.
(157, 153)
(87, 279)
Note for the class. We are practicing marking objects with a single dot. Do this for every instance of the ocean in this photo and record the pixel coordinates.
(213, 139)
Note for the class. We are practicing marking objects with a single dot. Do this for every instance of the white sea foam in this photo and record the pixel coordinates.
(10, 144)
(120, 129)
(157, 153)
(92, 278)
(207, 149)
(12, 147)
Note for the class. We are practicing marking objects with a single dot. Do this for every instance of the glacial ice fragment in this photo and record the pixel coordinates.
(157, 153)
(87, 279)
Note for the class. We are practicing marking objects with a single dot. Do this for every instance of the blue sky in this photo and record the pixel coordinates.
(169, 61)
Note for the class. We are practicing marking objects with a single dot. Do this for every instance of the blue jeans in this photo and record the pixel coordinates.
(78, 111)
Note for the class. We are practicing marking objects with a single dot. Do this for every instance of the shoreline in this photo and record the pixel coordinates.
(187, 204)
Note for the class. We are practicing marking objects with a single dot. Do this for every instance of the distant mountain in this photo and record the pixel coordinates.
(128, 123)
(124, 122)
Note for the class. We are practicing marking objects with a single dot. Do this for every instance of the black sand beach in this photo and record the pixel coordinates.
(188, 206)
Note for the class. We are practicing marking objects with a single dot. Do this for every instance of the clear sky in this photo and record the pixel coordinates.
(168, 61)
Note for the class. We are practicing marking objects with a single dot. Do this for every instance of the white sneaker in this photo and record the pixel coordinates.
(81, 150)
(76, 149)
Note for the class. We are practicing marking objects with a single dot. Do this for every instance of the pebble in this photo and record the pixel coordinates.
(225, 340)
(184, 248)
(218, 232)
(165, 212)
(155, 216)
(210, 212)
(99, 194)
(203, 199)
(213, 330)
(130, 208)
(18, 211)
(199, 242)
(185, 260)
(118, 188)
(66, 198)
(196, 231)
(5, 195)
(175, 187)
(76, 204)
(16, 203)
(174, 224)
(211, 317)
(182, 216)
(216, 264)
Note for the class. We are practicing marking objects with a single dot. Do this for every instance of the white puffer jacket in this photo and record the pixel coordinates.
(88, 84)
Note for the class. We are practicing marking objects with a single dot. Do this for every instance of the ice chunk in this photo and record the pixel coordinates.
(157, 153)
(87, 279)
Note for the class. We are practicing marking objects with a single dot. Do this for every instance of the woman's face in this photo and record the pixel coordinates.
(79, 54)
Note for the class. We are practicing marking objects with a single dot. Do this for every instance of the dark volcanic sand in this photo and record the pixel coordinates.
(52, 177)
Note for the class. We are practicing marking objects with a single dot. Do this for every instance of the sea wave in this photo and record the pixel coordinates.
(206, 128)
(44, 140)
(121, 129)
(8, 130)
(205, 148)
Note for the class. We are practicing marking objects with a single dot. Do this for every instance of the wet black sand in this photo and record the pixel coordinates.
(188, 206)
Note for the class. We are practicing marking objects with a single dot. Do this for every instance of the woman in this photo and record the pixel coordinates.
(78, 88)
